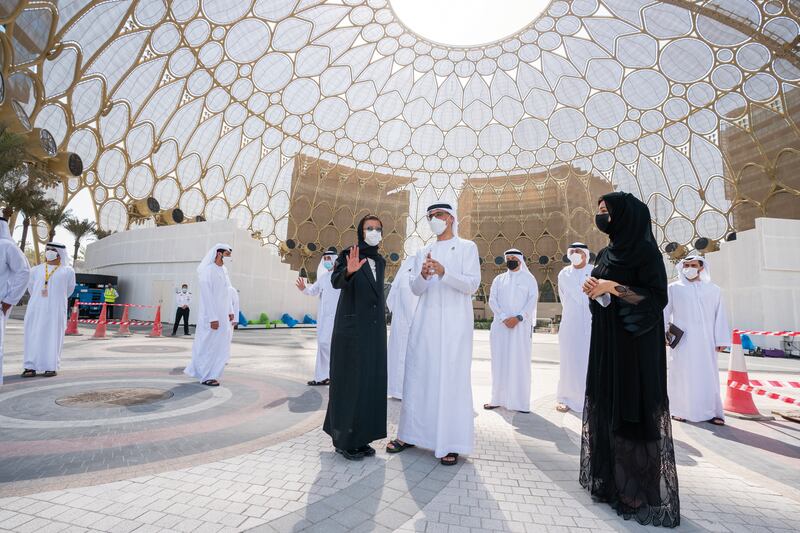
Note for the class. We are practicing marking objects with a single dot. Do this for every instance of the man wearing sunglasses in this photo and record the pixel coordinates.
(437, 390)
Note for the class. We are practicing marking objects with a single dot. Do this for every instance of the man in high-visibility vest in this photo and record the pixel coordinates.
(110, 296)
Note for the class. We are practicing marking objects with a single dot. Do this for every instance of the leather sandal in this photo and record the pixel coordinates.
(450, 459)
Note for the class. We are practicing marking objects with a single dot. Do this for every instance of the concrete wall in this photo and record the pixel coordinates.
(759, 274)
(152, 262)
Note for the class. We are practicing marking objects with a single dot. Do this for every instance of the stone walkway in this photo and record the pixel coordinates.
(285, 476)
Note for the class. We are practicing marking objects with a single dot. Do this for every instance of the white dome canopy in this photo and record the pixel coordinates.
(205, 104)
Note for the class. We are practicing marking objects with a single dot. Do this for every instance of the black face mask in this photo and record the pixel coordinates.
(512, 264)
(602, 221)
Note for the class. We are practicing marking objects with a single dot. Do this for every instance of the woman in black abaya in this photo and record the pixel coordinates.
(627, 456)
(357, 402)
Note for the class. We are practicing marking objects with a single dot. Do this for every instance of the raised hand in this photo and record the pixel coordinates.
(353, 262)
(300, 284)
(427, 268)
(438, 268)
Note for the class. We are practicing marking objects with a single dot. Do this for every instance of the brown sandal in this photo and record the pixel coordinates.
(490, 407)
(397, 446)
(450, 459)
(29, 373)
(717, 421)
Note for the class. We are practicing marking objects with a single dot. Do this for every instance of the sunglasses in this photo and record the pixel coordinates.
(442, 215)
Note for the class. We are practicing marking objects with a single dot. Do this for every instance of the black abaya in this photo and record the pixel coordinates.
(627, 455)
(356, 412)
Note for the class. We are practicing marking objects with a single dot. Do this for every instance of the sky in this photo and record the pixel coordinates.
(467, 22)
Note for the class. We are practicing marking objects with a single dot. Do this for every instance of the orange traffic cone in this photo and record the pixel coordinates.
(157, 327)
(72, 324)
(125, 323)
(100, 330)
(739, 403)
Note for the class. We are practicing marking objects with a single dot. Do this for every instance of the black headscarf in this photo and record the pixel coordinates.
(631, 236)
(364, 249)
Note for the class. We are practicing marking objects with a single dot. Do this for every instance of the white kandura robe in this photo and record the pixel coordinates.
(46, 317)
(234, 308)
(14, 269)
(512, 294)
(437, 411)
(326, 313)
(693, 384)
(402, 302)
(574, 336)
(211, 348)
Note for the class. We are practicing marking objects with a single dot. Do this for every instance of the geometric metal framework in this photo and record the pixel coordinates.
(208, 105)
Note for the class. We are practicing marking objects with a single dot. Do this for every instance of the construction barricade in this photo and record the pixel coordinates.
(740, 388)
(102, 323)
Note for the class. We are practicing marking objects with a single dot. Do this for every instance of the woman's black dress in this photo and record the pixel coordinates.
(627, 455)
(357, 403)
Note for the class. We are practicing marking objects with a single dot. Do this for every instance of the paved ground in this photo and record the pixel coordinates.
(250, 455)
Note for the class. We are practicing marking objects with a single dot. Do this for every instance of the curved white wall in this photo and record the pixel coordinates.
(152, 262)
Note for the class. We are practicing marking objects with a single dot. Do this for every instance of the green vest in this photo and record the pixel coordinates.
(110, 296)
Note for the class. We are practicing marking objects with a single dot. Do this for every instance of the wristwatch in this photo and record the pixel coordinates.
(520, 318)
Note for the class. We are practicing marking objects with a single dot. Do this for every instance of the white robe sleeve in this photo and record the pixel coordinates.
(494, 303)
(722, 331)
(529, 308)
(391, 299)
(470, 279)
(418, 283)
(668, 310)
(314, 289)
(71, 282)
(18, 280)
(207, 290)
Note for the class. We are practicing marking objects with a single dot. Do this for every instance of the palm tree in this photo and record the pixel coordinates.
(34, 206)
(79, 228)
(55, 217)
(15, 162)
(12, 152)
(101, 233)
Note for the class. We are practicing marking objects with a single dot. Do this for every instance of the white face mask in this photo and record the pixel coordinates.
(690, 273)
(184, 290)
(575, 258)
(227, 260)
(437, 226)
(373, 237)
(50, 255)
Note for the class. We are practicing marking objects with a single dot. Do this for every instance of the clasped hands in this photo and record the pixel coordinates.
(431, 267)
(594, 287)
(215, 323)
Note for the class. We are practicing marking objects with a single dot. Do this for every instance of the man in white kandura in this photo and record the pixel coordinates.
(402, 303)
(49, 285)
(575, 330)
(512, 298)
(212, 341)
(14, 269)
(695, 306)
(326, 313)
(437, 388)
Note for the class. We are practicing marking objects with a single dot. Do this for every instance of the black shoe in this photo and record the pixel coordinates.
(367, 450)
(172, 335)
(351, 455)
